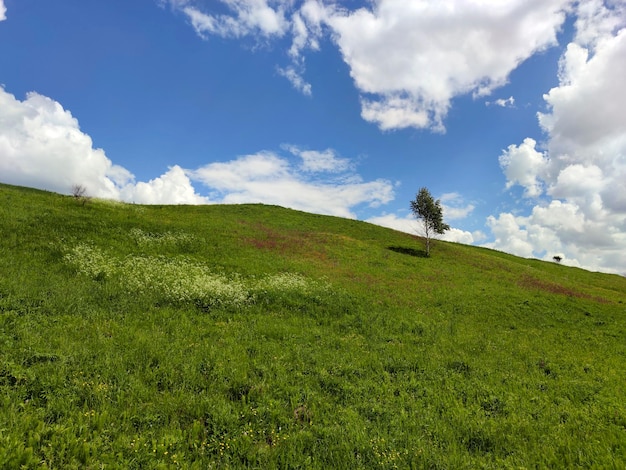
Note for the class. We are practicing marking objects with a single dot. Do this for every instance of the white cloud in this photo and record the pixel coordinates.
(575, 122)
(3, 11)
(315, 161)
(503, 103)
(458, 236)
(409, 59)
(296, 79)
(454, 207)
(578, 181)
(581, 174)
(265, 18)
(525, 166)
(410, 225)
(42, 146)
(305, 29)
(246, 17)
(596, 19)
(509, 235)
(173, 187)
(561, 229)
(406, 224)
(396, 112)
(271, 179)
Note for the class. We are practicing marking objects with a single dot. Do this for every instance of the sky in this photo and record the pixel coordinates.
(511, 112)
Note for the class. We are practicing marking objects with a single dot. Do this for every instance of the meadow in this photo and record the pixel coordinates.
(253, 336)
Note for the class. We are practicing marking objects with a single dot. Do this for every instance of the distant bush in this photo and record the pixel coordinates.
(80, 193)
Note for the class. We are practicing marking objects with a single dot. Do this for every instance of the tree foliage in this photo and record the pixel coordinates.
(429, 213)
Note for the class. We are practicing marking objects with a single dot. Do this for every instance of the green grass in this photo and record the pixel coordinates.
(254, 336)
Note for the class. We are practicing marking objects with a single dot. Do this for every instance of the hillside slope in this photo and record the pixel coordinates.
(256, 336)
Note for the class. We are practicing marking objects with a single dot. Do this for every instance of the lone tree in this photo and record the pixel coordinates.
(80, 193)
(429, 213)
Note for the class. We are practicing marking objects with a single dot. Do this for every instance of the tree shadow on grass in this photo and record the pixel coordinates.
(408, 251)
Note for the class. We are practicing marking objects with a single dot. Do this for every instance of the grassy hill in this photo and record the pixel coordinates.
(255, 336)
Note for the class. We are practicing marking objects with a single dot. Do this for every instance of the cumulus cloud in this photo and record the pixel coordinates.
(3, 11)
(42, 146)
(454, 207)
(173, 187)
(597, 19)
(320, 161)
(579, 179)
(410, 225)
(510, 236)
(525, 166)
(406, 224)
(244, 17)
(273, 179)
(560, 228)
(409, 59)
(461, 236)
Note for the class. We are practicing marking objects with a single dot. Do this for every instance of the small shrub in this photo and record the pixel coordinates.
(80, 194)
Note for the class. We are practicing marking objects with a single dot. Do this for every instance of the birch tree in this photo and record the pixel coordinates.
(429, 214)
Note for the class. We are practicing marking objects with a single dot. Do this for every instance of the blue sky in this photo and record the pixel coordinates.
(510, 111)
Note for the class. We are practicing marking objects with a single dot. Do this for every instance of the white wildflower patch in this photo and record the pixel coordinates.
(91, 261)
(180, 280)
(173, 280)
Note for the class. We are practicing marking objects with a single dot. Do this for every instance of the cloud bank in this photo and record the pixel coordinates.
(42, 146)
(321, 182)
(407, 59)
(577, 181)
(410, 59)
